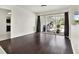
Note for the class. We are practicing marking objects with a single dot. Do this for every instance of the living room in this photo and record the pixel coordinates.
(29, 34)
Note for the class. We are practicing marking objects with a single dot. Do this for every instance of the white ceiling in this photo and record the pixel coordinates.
(38, 8)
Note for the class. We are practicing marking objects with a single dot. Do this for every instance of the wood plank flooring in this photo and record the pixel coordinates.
(37, 43)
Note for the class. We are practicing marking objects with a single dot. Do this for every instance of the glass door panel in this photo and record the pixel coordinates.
(53, 24)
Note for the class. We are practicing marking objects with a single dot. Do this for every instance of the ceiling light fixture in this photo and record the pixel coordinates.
(43, 5)
(9, 13)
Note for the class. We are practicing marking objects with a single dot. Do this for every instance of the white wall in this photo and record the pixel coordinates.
(3, 16)
(74, 31)
(22, 21)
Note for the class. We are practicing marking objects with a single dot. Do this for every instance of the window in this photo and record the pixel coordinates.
(76, 17)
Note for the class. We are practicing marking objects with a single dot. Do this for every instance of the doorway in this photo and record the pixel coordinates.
(5, 24)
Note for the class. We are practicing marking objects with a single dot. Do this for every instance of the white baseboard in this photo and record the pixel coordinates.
(2, 51)
(23, 35)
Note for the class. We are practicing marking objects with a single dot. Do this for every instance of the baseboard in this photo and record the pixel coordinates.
(73, 49)
(2, 51)
(22, 35)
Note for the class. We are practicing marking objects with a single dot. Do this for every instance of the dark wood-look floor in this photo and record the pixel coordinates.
(37, 43)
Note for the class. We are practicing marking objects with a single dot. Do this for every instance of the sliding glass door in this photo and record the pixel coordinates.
(53, 24)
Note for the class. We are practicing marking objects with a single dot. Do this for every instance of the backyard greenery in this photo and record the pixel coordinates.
(60, 23)
(76, 21)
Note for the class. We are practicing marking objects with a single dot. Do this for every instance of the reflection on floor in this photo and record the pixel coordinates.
(37, 43)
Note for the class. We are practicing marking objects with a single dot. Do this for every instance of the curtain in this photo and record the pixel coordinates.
(66, 32)
(38, 28)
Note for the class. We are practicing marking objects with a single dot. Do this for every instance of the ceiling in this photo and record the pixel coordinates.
(38, 8)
